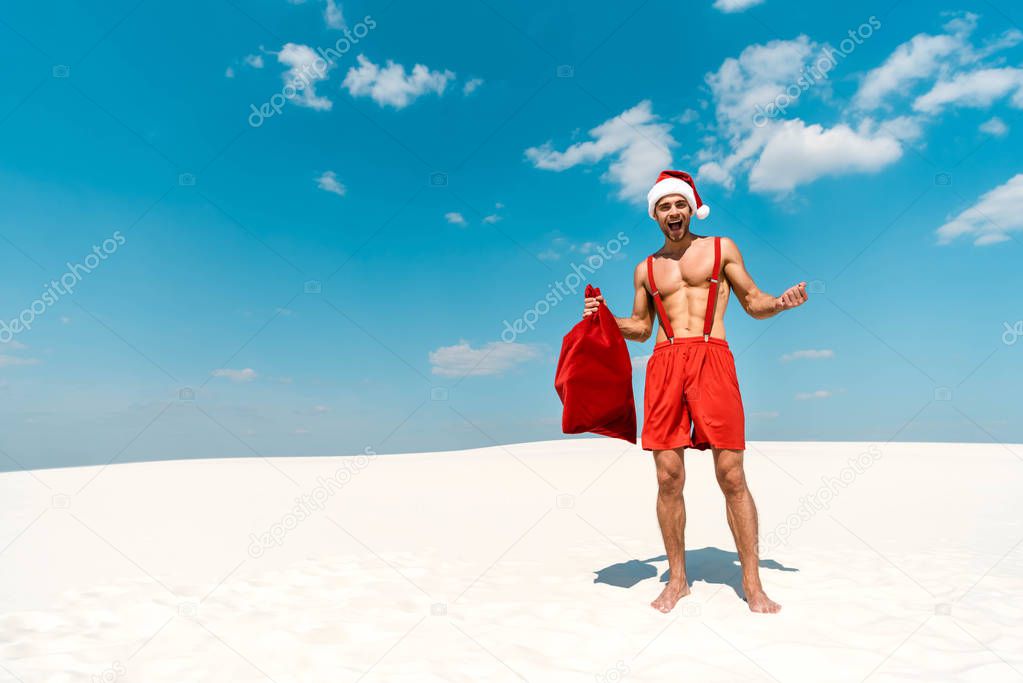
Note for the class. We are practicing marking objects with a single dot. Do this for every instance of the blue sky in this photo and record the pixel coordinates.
(336, 277)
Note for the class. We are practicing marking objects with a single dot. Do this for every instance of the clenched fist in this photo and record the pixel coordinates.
(793, 296)
(591, 303)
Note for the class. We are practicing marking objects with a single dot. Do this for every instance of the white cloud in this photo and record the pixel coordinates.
(714, 172)
(471, 85)
(973, 89)
(744, 150)
(808, 353)
(252, 61)
(808, 395)
(755, 78)
(735, 5)
(332, 15)
(493, 218)
(560, 246)
(1010, 38)
(391, 85)
(780, 152)
(328, 182)
(244, 375)
(305, 69)
(905, 128)
(962, 24)
(925, 57)
(637, 142)
(455, 218)
(990, 220)
(494, 358)
(7, 360)
(639, 362)
(688, 116)
(783, 155)
(313, 411)
(798, 154)
(914, 60)
(994, 126)
(743, 87)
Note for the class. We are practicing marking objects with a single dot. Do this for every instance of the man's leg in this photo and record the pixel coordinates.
(671, 515)
(742, 519)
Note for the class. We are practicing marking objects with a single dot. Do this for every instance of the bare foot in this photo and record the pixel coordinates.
(671, 594)
(759, 602)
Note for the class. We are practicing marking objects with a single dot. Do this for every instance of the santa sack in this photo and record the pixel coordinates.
(594, 377)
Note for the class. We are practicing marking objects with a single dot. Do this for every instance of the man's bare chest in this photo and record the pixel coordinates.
(692, 271)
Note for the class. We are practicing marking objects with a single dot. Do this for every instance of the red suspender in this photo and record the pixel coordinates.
(712, 296)
(661, 313)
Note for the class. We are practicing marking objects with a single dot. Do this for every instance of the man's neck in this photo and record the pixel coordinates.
(677, 247)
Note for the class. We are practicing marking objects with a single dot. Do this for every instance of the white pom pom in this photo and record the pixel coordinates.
(703, 211)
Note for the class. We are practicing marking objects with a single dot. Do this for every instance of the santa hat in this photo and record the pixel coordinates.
(676, 182)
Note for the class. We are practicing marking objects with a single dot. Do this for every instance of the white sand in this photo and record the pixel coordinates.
(481, 565)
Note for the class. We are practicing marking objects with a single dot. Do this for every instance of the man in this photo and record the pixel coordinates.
(692, 397)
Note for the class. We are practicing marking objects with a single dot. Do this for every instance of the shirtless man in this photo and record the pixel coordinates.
(692, 397)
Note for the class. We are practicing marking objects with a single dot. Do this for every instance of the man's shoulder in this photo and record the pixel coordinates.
(639, 273)
(708, 239)
(728, 245)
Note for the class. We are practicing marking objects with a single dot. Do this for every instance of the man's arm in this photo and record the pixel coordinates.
(640, 324)
(758, 304)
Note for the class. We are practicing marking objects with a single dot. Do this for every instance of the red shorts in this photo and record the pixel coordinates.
(692, 397)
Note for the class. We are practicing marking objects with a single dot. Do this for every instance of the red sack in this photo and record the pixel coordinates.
(594, 377)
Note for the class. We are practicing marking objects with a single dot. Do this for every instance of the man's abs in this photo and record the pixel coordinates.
(686, 308)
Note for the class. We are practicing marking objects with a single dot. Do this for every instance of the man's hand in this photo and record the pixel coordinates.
(591, 303)
(793, 296)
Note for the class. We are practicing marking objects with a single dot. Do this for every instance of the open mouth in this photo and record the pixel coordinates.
(673, 226)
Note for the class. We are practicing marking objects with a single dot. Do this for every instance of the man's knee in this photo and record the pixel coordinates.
(731, 479)
(670, 481)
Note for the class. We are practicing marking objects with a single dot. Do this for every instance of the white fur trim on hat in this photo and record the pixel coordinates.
(674, 186)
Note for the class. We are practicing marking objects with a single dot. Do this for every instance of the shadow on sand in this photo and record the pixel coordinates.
(710, 564)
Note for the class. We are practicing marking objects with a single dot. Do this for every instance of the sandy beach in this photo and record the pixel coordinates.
(535, 561)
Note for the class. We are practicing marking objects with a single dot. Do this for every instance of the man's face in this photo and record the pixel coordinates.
(673, 214)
